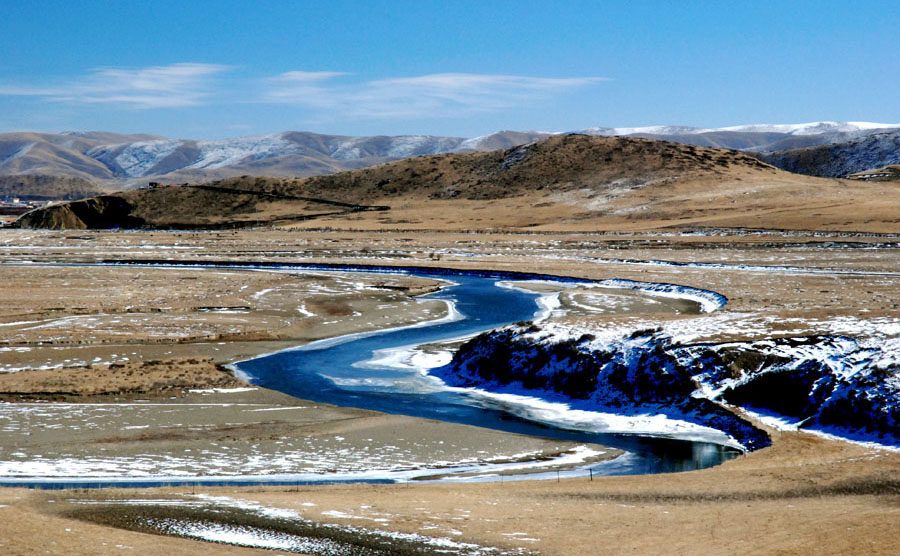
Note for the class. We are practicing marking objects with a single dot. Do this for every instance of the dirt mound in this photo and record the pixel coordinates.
(106, 211)
(235, 204)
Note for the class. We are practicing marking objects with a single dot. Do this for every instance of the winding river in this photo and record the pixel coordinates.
(359, 371)
(351, 371)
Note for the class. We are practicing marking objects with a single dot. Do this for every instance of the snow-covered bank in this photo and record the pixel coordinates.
(326, 468)
(553, 410)
(250, 524)
(706, 300)
(830, 383)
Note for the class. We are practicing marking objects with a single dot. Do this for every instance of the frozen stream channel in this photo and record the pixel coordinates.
(381, 371)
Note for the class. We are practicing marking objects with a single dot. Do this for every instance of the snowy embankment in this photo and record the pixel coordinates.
(246, 523)
(834, 384)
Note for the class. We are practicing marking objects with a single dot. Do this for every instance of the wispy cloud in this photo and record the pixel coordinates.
(172, 86)
(325, 94)
(422, 96)
(307, 76)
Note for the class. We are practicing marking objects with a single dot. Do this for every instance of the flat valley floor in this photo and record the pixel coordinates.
(81, 337)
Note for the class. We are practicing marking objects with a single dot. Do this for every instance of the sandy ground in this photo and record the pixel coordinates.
(803, 495)
(117, 381)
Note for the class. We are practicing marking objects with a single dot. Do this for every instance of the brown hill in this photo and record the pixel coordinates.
(186, 207)
(555, 165)
(573, 182)
(888, 173)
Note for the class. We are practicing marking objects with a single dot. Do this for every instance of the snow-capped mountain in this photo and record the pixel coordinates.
(811, 128)
(648, 130)
(134, 159)
(101, 156)
(754, 137)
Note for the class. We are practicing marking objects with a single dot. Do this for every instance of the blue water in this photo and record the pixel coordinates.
(307, 373)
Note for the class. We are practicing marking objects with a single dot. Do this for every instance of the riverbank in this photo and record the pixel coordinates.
(803, 495)
(74, 316)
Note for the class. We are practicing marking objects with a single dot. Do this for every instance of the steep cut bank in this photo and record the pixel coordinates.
(837, 384)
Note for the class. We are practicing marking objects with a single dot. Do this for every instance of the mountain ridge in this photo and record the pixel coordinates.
(123, 160)
(564, 182)
(840, 159)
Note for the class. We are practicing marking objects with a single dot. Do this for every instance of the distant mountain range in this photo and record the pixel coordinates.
(571, 182)
(108, 157)
(560, 175)
(839, 159)
(754, 137)
(126, 160)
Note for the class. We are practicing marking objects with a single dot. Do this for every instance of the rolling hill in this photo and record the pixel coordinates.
(565, 182)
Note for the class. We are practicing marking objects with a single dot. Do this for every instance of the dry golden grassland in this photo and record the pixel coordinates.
(803, 495)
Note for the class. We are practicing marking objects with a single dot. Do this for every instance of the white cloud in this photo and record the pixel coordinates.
(176, 85)
(421, 96)
(308, 76)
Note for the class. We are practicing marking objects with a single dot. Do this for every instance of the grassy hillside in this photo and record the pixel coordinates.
(44, 187)
(572, 182)
(557, 164)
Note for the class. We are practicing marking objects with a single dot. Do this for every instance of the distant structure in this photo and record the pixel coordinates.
(13, 207)
(157, 185)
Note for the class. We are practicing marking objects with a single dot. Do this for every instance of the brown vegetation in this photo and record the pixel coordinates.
(568, 182)
(40, 187)
(126, 379)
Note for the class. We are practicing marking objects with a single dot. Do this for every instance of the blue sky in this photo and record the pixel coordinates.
(196, 69)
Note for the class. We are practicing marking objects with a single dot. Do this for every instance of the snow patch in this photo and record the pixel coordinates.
(137, 159)
(227, 152)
